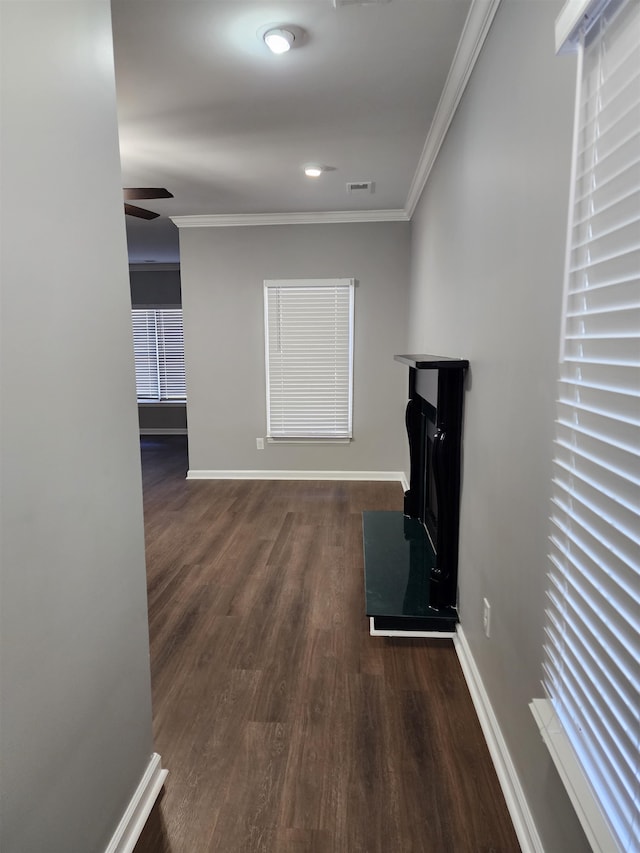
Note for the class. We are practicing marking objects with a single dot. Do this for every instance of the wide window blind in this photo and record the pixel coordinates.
(592, 650)
(309, 358)
(159, 353)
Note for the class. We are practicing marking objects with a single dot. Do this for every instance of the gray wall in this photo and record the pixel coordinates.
(222, 295)
(487, 278)
(158, 288)
(155, 288)
(162, 418)
(75, 711)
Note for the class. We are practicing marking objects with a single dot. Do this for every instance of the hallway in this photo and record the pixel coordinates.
(285, 727)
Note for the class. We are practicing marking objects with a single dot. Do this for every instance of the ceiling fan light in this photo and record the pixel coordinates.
(313, 171)
(279, 40)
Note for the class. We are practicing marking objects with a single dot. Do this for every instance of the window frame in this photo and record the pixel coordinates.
(585, 672)
(162, 355)
(310, 435)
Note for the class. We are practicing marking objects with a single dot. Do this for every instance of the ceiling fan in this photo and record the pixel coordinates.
(135, 193)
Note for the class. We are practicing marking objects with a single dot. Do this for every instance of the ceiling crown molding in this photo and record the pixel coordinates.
(476, 28)
(323, 217)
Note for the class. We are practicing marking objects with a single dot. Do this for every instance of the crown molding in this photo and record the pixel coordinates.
(476, 28)
(475, 31)
(321, 218)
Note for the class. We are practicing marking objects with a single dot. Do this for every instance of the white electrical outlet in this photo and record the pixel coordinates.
(486, 617)
(259, 443)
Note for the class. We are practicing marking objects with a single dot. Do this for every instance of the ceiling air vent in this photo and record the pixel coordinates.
(361, 187)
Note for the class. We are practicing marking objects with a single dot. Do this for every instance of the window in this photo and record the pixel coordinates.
(159, 354)
(309, 358)
(591, 721)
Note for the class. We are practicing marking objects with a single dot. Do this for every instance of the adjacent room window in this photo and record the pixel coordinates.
(309, 358)
(159, 354)
(591, 721)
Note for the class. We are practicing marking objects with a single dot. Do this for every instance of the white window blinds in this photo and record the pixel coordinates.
(592, 650)
(159, 353)
(309, 358)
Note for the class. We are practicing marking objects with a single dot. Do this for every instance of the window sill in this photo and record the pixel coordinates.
(318, 440)
(573, 778)
(149, 404)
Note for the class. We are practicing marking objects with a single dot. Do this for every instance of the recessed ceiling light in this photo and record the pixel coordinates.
(279, 40)
(313, 170)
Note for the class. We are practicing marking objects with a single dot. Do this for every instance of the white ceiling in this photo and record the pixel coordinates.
(206, 110)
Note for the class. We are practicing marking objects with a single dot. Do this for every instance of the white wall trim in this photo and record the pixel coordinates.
(162, 404)
(135, 816)
(476, 28)
(319, 218)
(573, 777)
(517, 805)
(164, 431)
(474, 33)
(387, 476)
(576, 17)
(405, 482)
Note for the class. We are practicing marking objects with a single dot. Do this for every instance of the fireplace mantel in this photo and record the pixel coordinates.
(432, 362)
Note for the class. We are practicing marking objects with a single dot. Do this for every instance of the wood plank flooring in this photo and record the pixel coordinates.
(285, 727)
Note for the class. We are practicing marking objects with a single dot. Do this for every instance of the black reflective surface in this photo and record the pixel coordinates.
(398, 559)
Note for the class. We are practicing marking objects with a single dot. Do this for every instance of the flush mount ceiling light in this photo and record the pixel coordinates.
(279, 40)
(313, 170)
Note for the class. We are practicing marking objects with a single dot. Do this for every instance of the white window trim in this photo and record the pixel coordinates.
(331, 282)
(575, 21)
(580, 793)
(276, 440)
(152, 404)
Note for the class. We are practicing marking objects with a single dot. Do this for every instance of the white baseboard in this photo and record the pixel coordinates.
(163, 431)
(517, 805)
(390, 476)
(405, 483)
(430, 635)
(133, 820)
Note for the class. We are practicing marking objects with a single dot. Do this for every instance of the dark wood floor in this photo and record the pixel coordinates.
(285, 727)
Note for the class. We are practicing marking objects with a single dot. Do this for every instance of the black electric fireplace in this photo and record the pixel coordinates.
(434, 429)
(411, 558)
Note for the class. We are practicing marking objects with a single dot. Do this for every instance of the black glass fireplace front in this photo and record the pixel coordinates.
(434, 429)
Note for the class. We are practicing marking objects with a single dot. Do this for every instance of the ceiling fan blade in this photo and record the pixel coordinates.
(140, 212)
(134, 193)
